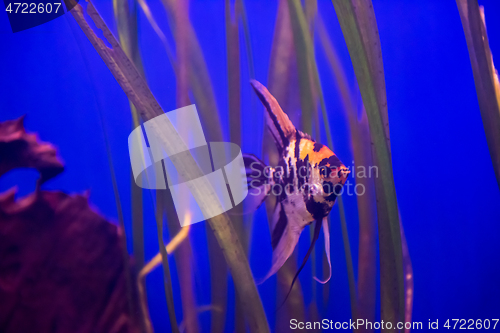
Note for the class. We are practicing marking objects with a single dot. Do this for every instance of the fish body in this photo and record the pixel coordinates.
(306, 183)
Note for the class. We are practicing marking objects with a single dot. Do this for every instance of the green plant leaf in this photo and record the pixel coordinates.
(138, 92)
(311, 86)
(126, 18)
(234, 110)
(200, 85)
(282, 79)
(304, 51)
(367, 214)
(358, 23)
(409, 287)
(485, 76)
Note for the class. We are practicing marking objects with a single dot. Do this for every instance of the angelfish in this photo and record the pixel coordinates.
(306, 183)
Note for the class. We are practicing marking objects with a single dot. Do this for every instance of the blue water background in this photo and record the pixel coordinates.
(447, 192)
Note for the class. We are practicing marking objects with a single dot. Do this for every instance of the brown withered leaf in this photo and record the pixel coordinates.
(61, 264)
(19, 149)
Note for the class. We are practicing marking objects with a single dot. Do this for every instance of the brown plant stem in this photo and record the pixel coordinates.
(150, 266)
(136, 89)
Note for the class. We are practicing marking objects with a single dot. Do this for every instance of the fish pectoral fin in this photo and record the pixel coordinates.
(259, 185)
(326, 233)
(256, 196)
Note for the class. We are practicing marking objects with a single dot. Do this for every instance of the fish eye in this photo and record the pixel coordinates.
(324, 171)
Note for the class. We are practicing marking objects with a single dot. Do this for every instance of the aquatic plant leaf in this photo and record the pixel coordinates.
(233, 72)
(62, 268)
(125, 13)
(126, 19)
(485, 76)
(241, 11)
(183, 256)
(200, 83)
(231, 16)
(155, 262)
(202, 90)
(367, 212)
(242, 15)
(358, 24)
(19, 149)
(138, 92)
(119, 212)
(150, 266)
(160, 202)
(308, 67)
(409, 287)
(199, 78)
(282, 79)
(304, 51)
(149, 16)
(310, 9)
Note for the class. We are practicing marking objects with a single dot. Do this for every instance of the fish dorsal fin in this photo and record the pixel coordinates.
(279, 124)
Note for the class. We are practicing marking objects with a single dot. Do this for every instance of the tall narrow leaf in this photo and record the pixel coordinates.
(485, 76)
(367, 248)
(308, 68)
(241, 13)
(310, 9)
(361, 147)
(183, 256)
(408, 269)
(152, 264)
(169, 294)
(126, 18)
(234, 103)
(200, 85)
(357, 20)
(282, 80)
(304, 52)
(136, 89)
